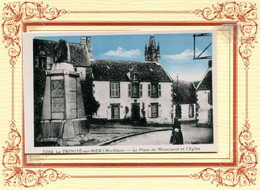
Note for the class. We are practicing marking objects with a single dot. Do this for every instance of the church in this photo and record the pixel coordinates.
(123, 90)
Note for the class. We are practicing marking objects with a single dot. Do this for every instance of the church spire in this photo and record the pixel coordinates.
(152, 42)
(152, 53)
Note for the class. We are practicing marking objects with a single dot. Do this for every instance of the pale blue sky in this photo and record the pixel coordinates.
(176, 51)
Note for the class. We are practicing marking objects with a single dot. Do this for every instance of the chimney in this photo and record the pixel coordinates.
(210, 63)
(83, 42)
(89, 47)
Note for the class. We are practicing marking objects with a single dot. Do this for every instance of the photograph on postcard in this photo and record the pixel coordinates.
(120, 92)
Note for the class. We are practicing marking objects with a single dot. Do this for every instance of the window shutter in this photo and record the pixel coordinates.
(159, 90)
(113, 89)
(149, 111)
(129, 90)
(117, 89)
(149, 90)
(159, 110)
(209, 98)
(141, 90)
(190, 111)
(110, 90)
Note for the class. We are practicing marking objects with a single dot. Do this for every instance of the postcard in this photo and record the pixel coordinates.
(120, 92)
(147, 94)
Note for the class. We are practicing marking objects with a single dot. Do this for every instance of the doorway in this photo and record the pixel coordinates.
(135, 112)
(115, 111)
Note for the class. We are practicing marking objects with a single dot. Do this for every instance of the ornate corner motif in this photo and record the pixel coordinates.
(246, 15)
(14, 14)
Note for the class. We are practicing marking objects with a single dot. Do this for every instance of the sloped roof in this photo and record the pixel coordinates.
(184, 92)
(195, 84)
(77, 53)
(105, 70)
(206, 82)
(110, 70)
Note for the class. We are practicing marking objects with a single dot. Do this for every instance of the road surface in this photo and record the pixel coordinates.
(191, 135)
(153, 138)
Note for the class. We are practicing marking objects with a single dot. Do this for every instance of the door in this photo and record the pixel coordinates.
(210, 116)
(135, 112)
(115, 111)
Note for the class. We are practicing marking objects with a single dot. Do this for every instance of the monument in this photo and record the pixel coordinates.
(63, 116)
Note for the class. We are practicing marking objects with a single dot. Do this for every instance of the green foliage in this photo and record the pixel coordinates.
(184, 92)
(39, 87)
(90, 104)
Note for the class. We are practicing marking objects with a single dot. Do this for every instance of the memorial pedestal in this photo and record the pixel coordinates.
(63, 115)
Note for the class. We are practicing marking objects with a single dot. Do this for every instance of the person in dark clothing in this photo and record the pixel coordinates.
(176, 137)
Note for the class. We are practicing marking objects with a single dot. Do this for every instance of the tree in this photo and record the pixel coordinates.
(39, 78)
(90, 104)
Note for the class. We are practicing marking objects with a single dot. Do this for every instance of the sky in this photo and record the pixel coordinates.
(176, 51)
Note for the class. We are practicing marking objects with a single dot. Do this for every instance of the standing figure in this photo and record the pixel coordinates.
(176, 137)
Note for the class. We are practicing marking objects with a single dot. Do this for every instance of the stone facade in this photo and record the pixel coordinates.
(187, 112)
(63, 116)
(205, 99)
(126, 102)
(123, 89)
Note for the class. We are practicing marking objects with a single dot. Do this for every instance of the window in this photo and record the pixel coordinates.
(210, 115)
(135, 90)
(178, 111)
(191, 111)
(41, 60)
(149, 90)
(115, 111)
(159, 90)
(154, 110)
(154, 90)
(114, 90)
(210, 97)
(129, 90)
(140, 90)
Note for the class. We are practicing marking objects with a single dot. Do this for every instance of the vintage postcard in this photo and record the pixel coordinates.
(147, 94)
(120, 92)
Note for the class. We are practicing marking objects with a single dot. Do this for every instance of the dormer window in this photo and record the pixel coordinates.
(135, 76)
(41, 60)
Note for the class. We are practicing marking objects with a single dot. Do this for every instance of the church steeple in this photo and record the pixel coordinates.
(152, 53)
(152, 42)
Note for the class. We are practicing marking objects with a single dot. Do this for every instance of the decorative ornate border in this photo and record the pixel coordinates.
(245, 14)
(14, 13)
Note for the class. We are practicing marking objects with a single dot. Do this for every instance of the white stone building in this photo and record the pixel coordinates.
(204, 99)
(123, 89)
(132, 90)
